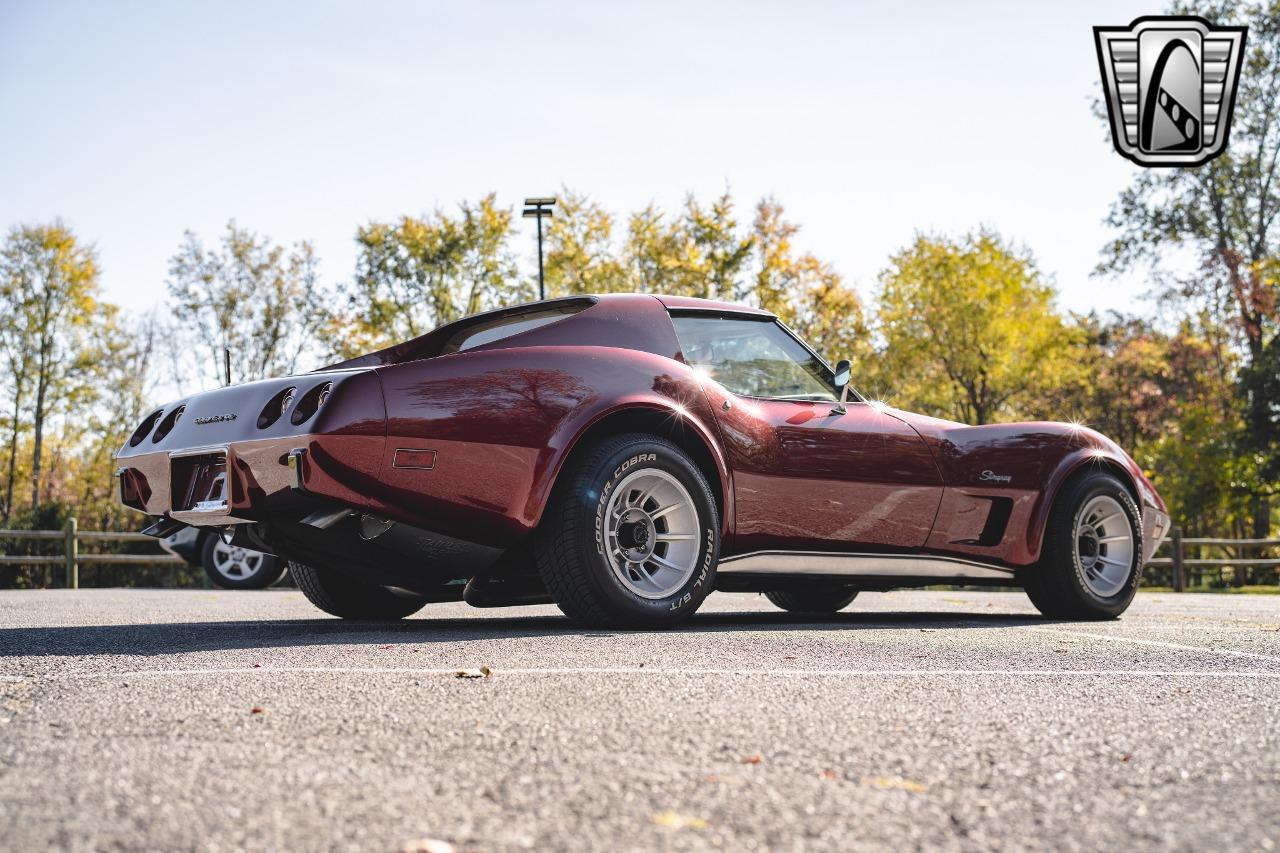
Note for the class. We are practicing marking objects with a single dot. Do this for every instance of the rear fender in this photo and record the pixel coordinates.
(664, 416)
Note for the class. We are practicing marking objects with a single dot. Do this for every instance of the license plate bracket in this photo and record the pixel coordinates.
(200, 482)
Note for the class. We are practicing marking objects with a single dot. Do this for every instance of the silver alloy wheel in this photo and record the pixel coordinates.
(651, 533)
(1104, 545)
(236, 563)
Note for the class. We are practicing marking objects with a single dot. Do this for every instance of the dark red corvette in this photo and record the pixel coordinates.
(624, 455)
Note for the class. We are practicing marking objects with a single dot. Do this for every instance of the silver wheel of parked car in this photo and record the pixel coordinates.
(235, 563)
(1104, 545)
(236, 567)
(651, 533)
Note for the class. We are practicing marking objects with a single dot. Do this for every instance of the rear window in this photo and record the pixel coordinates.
(506, 326)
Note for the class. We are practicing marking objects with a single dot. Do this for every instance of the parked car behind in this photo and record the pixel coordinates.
(228, 566)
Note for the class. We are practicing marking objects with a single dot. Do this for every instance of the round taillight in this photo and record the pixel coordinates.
(276, 407)
(144, 428)
(167, 425)
(310, 402)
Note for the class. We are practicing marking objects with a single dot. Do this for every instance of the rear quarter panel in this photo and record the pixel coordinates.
(502, 422)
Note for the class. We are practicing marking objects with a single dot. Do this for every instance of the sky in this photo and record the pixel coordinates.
(135, 122)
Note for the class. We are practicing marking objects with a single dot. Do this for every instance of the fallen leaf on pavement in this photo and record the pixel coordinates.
(427, 845)
(828, 774)
(750, 759)
(894, 783)
(674, 820)
(255, 710)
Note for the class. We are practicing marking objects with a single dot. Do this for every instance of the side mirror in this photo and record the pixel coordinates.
(842, 382)
(842, 373)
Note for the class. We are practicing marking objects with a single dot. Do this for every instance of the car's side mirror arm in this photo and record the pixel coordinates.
(842, 382)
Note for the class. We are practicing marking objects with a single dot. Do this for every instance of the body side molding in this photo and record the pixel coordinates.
(859, 565)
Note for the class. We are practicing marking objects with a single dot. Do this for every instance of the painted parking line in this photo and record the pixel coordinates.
(661, 671)
(1159, 643)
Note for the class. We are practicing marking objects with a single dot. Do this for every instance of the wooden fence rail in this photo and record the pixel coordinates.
(71, 558)
(1179, 562)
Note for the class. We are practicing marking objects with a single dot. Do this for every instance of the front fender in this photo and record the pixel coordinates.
(1103, 455)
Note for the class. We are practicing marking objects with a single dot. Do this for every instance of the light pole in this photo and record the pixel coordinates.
(537, 208)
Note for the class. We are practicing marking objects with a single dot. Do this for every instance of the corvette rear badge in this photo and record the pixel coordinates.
(1170, 86)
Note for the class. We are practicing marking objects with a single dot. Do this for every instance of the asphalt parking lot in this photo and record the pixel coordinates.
(955, 720)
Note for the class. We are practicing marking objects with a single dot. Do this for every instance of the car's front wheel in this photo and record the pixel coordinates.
(350, 598)
(234, 567)
(1091, 560)
(631, 536)
(818, 599)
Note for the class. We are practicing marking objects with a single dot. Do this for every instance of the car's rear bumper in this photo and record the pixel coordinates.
(223, 456)
(251, 480)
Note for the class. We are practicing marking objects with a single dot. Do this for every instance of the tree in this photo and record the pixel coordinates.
(806, 293)
(723, 252)
(1225, 214)
(15, 341)
(123, 350)
(828, 314)
(247, 295)
(580, 255)
(969, 329)
(660, 256)
(420, 272)
(1167, 397)
(50, 289)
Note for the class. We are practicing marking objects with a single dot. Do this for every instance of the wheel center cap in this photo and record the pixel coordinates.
(636, 536)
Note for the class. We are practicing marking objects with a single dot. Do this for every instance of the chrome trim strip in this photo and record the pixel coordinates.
(866, 565)
(207, 450)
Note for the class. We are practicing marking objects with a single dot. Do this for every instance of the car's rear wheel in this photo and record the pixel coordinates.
(234, 567)
(342, 595)
(631, 536)
(818, 599)
(1091, 560)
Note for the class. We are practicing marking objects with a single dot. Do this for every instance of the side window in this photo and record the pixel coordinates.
(754, 358)
(506, 326)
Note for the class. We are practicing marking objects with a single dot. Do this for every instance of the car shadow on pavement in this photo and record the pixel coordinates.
(178, 637)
